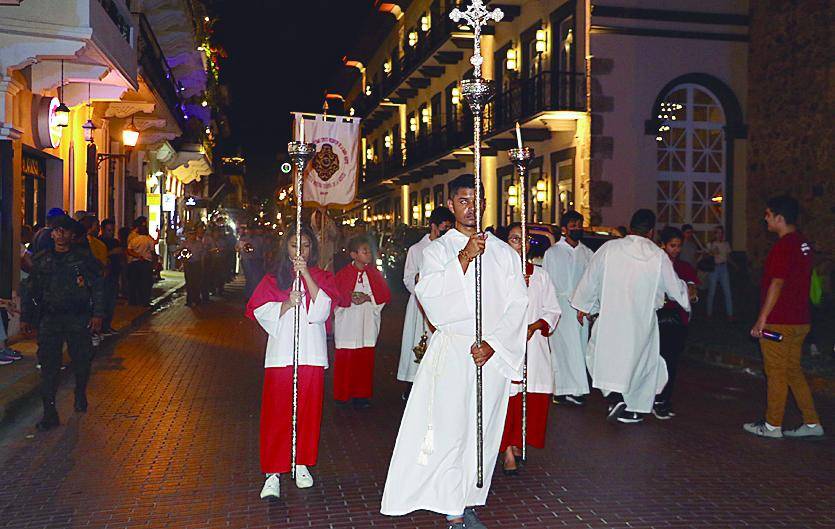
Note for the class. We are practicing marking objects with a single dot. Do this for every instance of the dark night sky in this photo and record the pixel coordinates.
(282, 54)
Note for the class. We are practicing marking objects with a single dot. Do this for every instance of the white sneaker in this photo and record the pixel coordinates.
(272, 487)
(761, 430)
(304, 480)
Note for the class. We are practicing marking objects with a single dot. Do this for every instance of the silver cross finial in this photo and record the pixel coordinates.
(476, 15)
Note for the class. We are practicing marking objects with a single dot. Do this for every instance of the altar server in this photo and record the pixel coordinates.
(415, 326)
(543, 315)
(363, 294)
(273, 306)
(565, 263)
(625, 283)
(433, 466)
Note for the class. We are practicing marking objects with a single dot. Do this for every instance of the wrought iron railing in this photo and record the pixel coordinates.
(156, 69)
(115, 14)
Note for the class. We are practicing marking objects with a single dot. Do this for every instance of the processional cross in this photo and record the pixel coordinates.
(477, 92)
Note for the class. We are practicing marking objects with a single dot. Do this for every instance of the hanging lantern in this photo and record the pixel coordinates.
(89, 128)
(130, 135)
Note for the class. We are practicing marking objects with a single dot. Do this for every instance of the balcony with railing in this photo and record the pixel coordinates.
(156, 71)
(522, 101)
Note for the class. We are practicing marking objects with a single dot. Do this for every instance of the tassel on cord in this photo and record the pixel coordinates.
(427, 447)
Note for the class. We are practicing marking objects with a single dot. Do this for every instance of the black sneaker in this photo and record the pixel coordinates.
(577, 400)
(471, 520)
(361, 404)
(80, 404)
(630, 417)
(615, 411)
(49, 421)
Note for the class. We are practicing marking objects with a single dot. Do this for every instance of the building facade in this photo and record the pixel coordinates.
(628, 104)
(133, 78)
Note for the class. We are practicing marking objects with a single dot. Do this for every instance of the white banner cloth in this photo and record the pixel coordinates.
(331, 177)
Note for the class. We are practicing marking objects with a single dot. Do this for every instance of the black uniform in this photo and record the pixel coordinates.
(63, 291)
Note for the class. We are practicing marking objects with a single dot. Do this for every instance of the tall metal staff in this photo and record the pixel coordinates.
(300, 154)
(521, 157)
(477, 92)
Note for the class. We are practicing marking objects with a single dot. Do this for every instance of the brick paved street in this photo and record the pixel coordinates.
(171, 441)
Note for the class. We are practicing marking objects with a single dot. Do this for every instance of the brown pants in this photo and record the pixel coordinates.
(782, 368)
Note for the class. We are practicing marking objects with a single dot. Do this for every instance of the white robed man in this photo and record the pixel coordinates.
(415, 325)
(565, 263)
(434, 464)
(626, 281)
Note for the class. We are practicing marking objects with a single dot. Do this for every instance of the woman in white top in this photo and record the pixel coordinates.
(141, 267)
(720, 250)
(543, 315)
(273, 306)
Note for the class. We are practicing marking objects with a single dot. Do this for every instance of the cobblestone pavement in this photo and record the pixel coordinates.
(171, 441)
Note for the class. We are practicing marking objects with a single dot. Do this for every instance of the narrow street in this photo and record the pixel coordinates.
(171, 441)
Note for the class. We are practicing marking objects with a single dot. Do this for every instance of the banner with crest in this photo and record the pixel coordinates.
(331, 177)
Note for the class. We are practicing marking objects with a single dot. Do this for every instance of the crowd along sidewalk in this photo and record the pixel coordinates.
(19, 381)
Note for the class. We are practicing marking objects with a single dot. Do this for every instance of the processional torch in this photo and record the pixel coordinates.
(300, 154)
(477, 92)
(521, 158)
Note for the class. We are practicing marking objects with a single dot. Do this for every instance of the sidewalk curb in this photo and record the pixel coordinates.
(16, 396)
(818, 384)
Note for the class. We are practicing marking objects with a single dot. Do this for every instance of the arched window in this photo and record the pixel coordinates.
(691, 159)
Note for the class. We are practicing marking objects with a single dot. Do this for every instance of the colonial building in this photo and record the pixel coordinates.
(103, 108)
(628, 104)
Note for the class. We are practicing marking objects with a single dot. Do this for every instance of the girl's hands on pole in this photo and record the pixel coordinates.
(300, 266)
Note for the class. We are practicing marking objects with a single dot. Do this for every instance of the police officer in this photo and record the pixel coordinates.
(65, 302)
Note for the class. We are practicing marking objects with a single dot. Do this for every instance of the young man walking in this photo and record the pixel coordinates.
(433, 466)
(565, 263)
(625, 283)
(785, 309)
(415, 326)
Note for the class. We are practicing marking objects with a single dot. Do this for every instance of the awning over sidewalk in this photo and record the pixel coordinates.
(190, 165)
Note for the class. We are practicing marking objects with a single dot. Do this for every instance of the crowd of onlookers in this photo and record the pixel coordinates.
(127, 258)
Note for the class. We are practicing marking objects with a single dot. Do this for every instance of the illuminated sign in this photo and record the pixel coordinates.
(169, 202)
(48, 133)
(153, 199)
(286, 168)
(191, 201)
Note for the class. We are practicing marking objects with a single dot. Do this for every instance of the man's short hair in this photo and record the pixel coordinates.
(440, 215)
(464, 181)
(108, 222)
(643, 222)
(669, 233)
(686, 227)
(88, 222)
(140, 221)
(569, 216)
(786, 206)
(357, 242)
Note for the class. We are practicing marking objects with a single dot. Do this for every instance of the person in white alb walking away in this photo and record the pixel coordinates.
(415, 325)
(625, 283)
(565, 263)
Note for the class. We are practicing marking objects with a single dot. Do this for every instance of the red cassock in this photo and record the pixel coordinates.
(538, 404)
(277, 397)
(353, 368)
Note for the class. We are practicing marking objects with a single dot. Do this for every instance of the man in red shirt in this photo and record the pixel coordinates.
(785, 310)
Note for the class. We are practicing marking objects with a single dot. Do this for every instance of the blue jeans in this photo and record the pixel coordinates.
(720, 275)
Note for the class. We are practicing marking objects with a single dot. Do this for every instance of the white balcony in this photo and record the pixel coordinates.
(91, 32)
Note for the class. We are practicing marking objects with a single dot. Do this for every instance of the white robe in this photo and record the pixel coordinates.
(313, 349)
(414, 324)
(433, 466)
(565, 265)
(358, 326)
(542, 305)
(625, 284)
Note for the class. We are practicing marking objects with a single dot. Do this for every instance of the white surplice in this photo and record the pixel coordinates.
(565, 265)
(542, 305)
(415, 323)
(433, 466)
(625, 283)
(358, 326)
(313, 349)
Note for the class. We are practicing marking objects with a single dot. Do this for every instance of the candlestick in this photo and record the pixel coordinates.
(519, 136)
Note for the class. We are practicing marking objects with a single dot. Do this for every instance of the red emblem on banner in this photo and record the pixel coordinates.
(326, 162)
